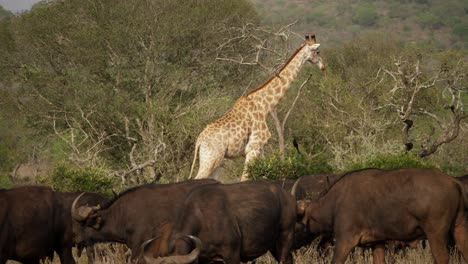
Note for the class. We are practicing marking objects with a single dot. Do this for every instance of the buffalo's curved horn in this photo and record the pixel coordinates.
(143, 249)
(294, 188)
(178, 259)
(82, 212)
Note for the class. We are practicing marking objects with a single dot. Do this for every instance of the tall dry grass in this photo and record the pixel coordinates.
(118, 254)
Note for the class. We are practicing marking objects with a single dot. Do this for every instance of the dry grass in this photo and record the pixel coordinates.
(113, 253)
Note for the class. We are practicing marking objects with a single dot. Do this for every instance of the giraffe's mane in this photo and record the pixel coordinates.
(279, 72)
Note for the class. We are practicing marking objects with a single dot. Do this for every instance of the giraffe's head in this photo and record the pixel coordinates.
(313, 53)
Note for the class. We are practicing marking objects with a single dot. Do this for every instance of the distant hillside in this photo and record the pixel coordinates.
(440, 22)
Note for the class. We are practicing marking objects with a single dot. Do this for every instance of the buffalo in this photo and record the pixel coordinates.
(90, 199)
(235, 222)
(310, 187)
(134, 215)
(463, 179)
(371, 206)
(35, 221)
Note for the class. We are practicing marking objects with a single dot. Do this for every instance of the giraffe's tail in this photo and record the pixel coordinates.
(195, 154)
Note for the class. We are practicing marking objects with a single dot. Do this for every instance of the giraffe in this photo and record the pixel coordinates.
(243, 130)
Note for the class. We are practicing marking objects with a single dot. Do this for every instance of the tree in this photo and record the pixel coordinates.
(444, 88)
(122, 82)
(4, 13)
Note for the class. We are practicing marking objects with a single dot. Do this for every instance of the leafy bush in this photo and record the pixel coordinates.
(69, 179)
(5, 182)
(461, 30)
(293, 166)
(392, 161)
(365, 16)
(429, 20)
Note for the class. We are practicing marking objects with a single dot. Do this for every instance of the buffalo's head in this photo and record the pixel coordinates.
(84, 217)
(307, 217)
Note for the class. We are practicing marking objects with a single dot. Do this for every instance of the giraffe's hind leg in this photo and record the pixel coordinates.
(210, 159)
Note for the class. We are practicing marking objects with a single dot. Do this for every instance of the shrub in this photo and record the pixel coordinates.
(392, 161)
(461, 30)
(293, 166)
(365, 16)
(68, 179)
(5, 182)
(429, 20)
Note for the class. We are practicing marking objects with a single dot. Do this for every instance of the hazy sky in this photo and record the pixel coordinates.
(17, 5)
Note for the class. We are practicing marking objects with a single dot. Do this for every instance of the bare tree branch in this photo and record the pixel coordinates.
(408, 78)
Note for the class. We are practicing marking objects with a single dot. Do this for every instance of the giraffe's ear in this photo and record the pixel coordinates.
(315, 46)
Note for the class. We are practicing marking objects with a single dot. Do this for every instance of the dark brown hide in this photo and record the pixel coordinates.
(464, 180)
(311, 187)
(74, 231)
(236, 222)
(133, 217)
(371, 206)
(35, 222)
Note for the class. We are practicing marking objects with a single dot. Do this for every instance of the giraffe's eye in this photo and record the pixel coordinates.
(318, 52)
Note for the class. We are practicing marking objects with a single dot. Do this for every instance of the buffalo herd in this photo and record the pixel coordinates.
(205, 221)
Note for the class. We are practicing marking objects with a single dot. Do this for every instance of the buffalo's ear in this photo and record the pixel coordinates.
(94, 221)
(301, 206)
(98, 223)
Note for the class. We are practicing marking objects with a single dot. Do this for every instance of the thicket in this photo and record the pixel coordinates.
(117, 93)
(292, 166)
(4, 13)
(68, 179)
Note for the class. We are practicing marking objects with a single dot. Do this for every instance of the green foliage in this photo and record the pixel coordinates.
(399, 11)
(5, 182)
(429, 20)
(69, 179)
(358, 17)
(16, 143)
(108, 76)
(4, 13)
(461, 30)
(293, 166)
(366, 15)
(392, 161)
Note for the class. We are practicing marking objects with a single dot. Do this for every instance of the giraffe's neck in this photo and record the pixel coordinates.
(274, 89)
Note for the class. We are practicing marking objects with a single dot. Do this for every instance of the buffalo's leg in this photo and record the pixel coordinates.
(341, 251)
(438, 243)
(91, 254)
(378, 254)
(282, 252)
(460, 233)
(66, 256)
(35, 261)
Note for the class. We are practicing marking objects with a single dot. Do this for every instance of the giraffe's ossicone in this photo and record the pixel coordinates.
(243, 130)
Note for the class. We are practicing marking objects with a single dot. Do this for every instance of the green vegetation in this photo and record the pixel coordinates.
(129, 84)
(293, 166)
(4, 13)
(68, 179)
(393, 161)
(336, 21)
(5, 182)
(365, 15)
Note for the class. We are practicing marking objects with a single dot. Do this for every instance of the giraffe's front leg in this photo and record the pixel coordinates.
(254, 148)
(251, 155)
